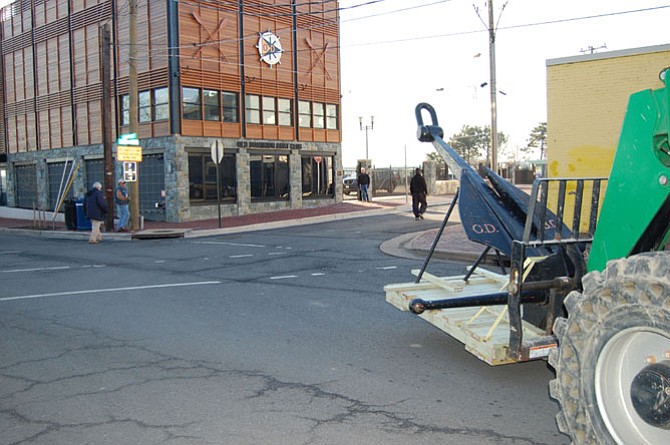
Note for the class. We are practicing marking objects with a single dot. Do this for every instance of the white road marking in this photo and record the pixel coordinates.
(276, 253)
(318, 274)
(222, 243)
(118, 289)
(387, 267)
(283, 277)
(36, 269)
(246, 255)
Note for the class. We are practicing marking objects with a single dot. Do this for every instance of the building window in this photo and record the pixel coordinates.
(144, 106)
(191, 103)
(331, 116)
(152, 105)
(317, 176)
(253, 109)
(161, 104)
(319, 115)
(284, 112)
(211, 105)
(230, 107)
(304, 114)
(202, 178)
(125, 110)
(269, 111)
(269, 177)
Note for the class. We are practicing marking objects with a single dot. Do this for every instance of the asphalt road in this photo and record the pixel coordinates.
(273, 337)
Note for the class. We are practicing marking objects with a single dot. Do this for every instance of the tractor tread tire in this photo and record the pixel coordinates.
(637, 285)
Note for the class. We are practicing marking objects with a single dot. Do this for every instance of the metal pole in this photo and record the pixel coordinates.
(133, 187)
(405, 172)
(366, 143)
(218, 188)
(494, 90)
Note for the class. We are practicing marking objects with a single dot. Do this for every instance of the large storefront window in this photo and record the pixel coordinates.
(269, 176)
(317, 176)
(202, 178)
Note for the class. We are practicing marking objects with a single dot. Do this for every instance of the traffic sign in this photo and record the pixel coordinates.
(128, 139)
(217, 151)
(130, 171)
(129, 153)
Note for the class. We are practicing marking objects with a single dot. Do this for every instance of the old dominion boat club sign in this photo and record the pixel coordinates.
(269, 48)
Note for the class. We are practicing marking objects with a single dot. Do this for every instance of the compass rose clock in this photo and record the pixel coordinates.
(269, 48)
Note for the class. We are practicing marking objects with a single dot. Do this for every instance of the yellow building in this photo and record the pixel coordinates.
(587, 97)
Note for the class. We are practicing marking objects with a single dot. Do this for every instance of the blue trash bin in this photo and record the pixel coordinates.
(83, 223)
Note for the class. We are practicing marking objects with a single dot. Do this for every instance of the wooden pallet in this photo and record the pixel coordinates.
(483, 330)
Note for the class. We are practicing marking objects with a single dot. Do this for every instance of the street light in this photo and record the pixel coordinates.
(366, 127)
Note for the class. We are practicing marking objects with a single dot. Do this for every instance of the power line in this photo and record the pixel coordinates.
(527, 25)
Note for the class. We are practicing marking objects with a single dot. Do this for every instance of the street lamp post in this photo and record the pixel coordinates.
(366, 127)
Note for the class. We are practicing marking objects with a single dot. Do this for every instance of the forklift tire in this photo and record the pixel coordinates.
(613, 360)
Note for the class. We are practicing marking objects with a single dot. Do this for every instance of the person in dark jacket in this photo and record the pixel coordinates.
(419, 191)
(363, 181)
(96, 208)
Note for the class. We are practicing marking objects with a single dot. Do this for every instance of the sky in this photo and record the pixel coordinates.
(397, 53)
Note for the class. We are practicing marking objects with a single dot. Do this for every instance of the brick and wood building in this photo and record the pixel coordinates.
(259, 76)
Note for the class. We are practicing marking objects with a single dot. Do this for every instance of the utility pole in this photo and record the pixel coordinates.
(106, 77)
(494, 90)
(133, 187)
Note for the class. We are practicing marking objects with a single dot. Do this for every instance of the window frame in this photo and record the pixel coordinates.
(284, 113)
(269, 107)
(211, 105)
(161, 108)
(230, 109)
(197, 105)
(144, 113)
(332, 120)
(318, 115)
(252, 109)
(304, 115)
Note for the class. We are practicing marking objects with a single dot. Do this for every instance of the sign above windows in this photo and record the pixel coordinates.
(269, 48)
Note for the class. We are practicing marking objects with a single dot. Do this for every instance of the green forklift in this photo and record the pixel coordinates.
(584, 279)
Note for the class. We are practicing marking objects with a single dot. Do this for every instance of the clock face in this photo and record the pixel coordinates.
(269, 48)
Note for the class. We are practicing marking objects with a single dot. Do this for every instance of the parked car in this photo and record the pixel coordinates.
(349, 185)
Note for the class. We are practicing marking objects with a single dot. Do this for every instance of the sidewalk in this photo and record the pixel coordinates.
(452, 245)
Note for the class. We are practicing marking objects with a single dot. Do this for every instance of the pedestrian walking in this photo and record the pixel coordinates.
(121, 199)
(419, 191)
(363, 181)
(96, 208)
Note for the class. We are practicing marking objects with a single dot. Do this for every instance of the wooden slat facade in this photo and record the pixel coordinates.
(51, 83)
